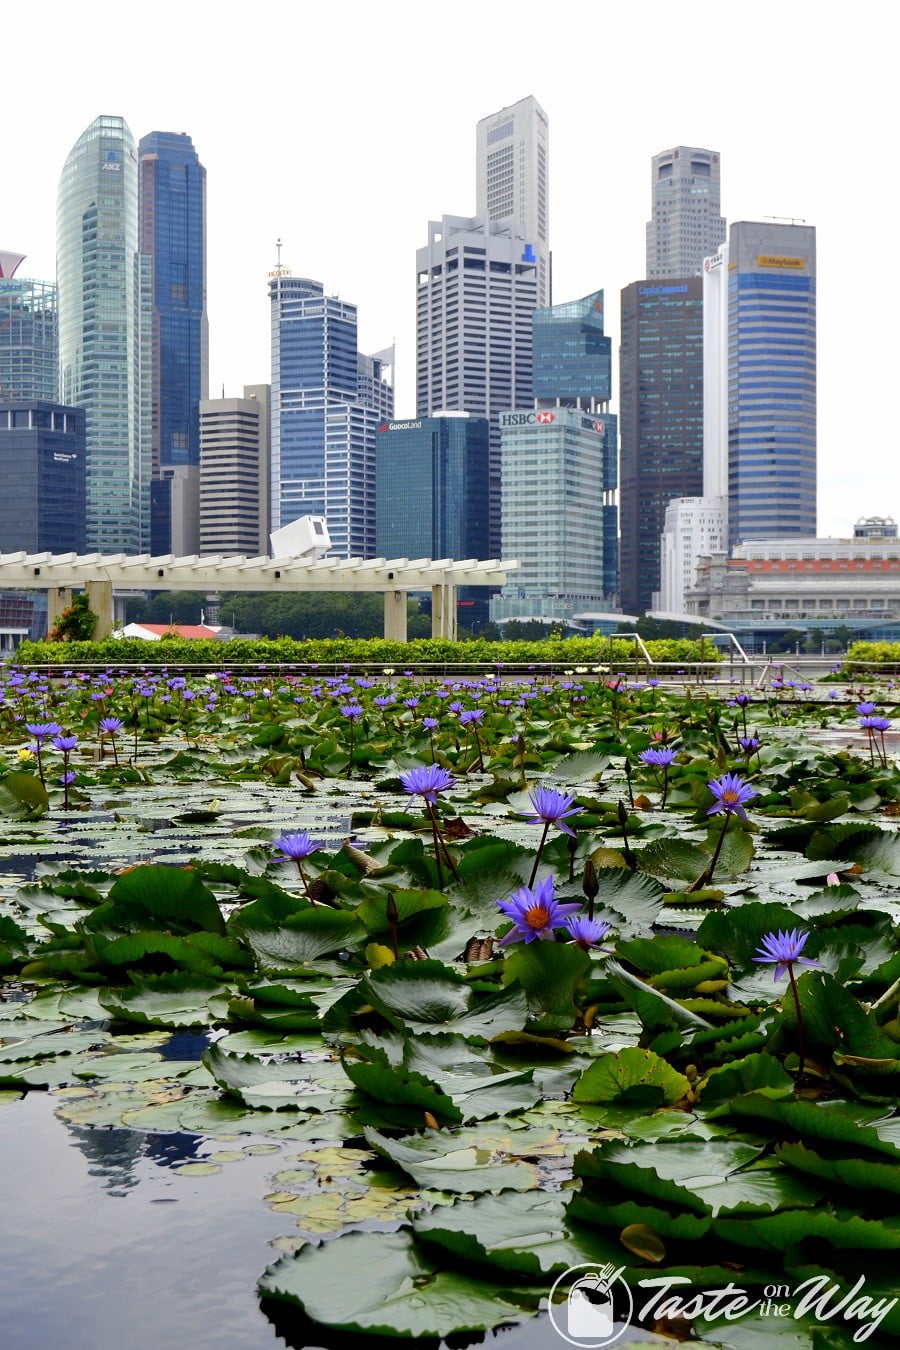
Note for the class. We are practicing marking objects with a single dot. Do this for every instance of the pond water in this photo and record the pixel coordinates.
(105, 1244)
(106, 1240)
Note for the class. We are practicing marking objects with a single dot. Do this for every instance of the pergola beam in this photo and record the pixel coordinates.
(100, 573)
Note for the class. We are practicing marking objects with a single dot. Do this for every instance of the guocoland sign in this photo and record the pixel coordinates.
(488, 1103)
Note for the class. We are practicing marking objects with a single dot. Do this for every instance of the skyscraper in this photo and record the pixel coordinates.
(686, 225)
(661, 422)
(480, 278)
(29, 335)
(105, 330)
(477, 290)
(173, 235)
(512, 177)
(559, 472)
(771, 381)
(323, 426)
(234, 470)
(42, 471)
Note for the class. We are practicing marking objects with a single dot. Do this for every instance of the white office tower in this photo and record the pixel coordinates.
(512, 175)
(476, 292)
(697, 526)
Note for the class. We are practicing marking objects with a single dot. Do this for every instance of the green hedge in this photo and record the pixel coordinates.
(174, 651)
(861, 654)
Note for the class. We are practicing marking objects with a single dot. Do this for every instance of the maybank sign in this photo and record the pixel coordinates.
(771, 260)
(527, 419)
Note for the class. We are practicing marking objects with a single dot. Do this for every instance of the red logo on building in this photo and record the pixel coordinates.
(598, 426)
(384, 427)
(544, 417)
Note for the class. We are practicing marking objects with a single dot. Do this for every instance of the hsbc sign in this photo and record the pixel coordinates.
(527, 419)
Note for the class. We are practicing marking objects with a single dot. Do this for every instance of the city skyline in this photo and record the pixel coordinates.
(290, 159)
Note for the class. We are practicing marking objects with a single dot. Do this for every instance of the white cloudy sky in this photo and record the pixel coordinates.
(344, 128)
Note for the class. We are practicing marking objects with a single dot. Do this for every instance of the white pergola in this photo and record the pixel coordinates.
(99, 574)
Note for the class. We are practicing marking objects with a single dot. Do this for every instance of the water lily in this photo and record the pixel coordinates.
(535, 913)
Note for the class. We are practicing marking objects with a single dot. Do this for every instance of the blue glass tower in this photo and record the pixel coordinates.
(771, 381)
(327, 403)
(431, 487)
(173, 233)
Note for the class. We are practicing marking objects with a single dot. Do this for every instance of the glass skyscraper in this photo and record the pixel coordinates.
(173, 233)
(661, 422)
(42, 470)
(771, 381)
(29, 340)
(327, 403)
(431, 476)
(559, 472)
(105, 330)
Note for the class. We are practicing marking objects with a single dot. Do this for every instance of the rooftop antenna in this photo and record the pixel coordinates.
(279, 270)
(787, 220)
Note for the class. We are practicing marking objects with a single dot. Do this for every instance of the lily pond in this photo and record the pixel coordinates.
(337, 1009)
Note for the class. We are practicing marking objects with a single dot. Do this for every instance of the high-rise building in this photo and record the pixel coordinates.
(477, 290)
(559, 472)
(234, 472)
(42, 468)
(660, 422)
(771, 278)
(686, 225)
(512, 177)
(105, 330)
(327, 403)
(29, 335)
(431, 477)
(173, 235)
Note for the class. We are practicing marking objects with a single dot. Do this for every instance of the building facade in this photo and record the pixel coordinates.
(29, 340)
(42, 468)
(660, 423)
(558, 517)
(173, 236)
(327, 403)
(513, 177)
(803, 582)
(105, 331)
(234, 474)
(559, 472)
(477, 289)
(694, 527)
(431, 476)
(686, 224)
(771, 381)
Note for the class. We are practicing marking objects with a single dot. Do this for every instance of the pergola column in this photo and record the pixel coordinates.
(395, 616)
(100, 599)
(443, 611)
(58, 599)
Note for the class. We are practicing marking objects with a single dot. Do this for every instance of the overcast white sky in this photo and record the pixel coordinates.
(344, 128)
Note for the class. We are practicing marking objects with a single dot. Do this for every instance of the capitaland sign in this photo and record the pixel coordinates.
(401, 426)
(542, 418)
(772, 260)
(663, 290)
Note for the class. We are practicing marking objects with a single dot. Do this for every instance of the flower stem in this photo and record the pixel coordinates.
(706, 875)
(537, 856)
(800, 1046)
(437, 847)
